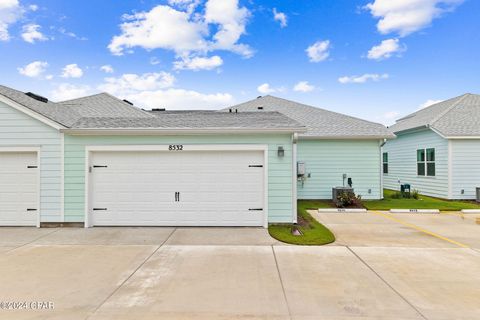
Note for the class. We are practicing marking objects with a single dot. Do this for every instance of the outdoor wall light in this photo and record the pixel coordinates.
(280, 152)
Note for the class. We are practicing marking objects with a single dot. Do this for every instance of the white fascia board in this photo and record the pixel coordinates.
(359, 137)
(173, 131)
(463, 137)
(31, 113)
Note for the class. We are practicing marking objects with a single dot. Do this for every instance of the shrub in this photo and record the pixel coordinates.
(346, 199)
(397, 195)
(415, 194)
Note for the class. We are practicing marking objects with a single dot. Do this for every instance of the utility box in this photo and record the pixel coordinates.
(478, 194)
(405, 189)
(339, 190)
(300, 169)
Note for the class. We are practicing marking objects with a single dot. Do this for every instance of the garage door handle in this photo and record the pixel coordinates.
(255, 166)
(177, 196)
(30, 209)
(255, 209)
(100, 166)
(99, 209)
(32, 167)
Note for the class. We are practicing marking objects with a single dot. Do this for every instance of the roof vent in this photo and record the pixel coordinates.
(260, 108)
(125, 100)
(259, 97)
(158, 109)
(37, 97)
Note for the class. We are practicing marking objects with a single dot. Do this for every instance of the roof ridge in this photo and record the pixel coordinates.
(80, 98)
(326, 110)
(442, 114)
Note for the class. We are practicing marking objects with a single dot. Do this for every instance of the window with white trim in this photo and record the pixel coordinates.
(385, 162)
(426, 162)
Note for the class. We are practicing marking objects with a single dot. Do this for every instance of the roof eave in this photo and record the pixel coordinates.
(353, 137)
(176, 131)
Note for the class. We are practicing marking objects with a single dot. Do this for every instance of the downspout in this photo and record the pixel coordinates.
(294, 177)
(381, 143)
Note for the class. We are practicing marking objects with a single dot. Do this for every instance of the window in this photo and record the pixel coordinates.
(385, 162)
(426, 162)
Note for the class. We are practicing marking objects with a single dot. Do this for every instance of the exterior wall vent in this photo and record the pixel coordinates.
(37, 97)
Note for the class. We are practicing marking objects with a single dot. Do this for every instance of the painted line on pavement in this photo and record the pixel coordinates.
(410, 225)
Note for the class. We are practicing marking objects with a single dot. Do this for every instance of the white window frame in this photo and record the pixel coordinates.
(426, 162)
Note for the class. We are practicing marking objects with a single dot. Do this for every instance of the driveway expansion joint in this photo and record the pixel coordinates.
(281, 283)
(386, 282)
(34, 240)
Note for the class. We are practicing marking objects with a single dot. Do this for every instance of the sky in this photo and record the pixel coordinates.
(374, 59)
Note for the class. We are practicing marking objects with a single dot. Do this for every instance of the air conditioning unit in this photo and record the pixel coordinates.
(478, 194)
(339, 190)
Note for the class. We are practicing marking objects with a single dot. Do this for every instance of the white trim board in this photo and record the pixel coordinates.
(186, 148)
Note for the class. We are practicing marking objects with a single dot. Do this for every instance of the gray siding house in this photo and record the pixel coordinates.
(437, 150)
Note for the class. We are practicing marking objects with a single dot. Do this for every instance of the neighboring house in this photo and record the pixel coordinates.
(334, 148)
(100, 161)
(437, 150)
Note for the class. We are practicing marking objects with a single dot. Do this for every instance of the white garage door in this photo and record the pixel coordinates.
(184, 188)
(18, 189)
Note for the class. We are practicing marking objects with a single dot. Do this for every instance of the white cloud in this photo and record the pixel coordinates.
(428, 103)
(151, 90)
(388, 117)
(363, 78)
(386, 49)
(265, 89)
(280, 17)
(154, 61)
(183, 30)
(407, 16)
(33, 7)
(10, 12)
(303, 86)
(133, 83)
(198, 63)
(66, 91)
(180, 99)
(107, 68)
(34, 69)
(31, 33)
(70, 34)
(72, 71)
(318, 51)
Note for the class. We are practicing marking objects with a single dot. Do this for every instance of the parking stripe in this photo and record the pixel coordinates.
(433, 234)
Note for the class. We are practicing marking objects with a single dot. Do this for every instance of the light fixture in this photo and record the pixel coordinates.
(280, 152)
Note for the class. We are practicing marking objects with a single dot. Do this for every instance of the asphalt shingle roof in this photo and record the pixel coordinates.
(320, 123)
(459, 116)
(103, 111)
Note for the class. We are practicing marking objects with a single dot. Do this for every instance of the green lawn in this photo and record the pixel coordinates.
(313, 232)
(423, 202)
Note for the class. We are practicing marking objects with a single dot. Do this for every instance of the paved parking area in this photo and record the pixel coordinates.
(381, 267)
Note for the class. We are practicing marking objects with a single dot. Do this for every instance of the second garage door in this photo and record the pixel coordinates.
(185, 188)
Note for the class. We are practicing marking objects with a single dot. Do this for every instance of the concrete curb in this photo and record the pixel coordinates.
(342, 210)
(470, 211)
(414, 211)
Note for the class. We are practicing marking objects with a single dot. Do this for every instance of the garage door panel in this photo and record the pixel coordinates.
(215, 188)
(18, 188)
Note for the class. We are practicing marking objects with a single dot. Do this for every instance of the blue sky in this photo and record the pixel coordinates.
(374, 59)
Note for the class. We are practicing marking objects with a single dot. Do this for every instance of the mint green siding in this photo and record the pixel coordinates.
(327, 160)
(402, 157)
(20, 130)
(465, 155)
(279, 169)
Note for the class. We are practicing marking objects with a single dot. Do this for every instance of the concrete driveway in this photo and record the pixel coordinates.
(378, 269)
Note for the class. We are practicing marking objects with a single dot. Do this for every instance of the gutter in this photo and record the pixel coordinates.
(176, 131)
(384, 137)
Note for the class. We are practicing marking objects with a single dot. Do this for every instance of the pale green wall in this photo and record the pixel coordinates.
(18, 129)
(327, 160)
(279, 169)
(465, 168)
